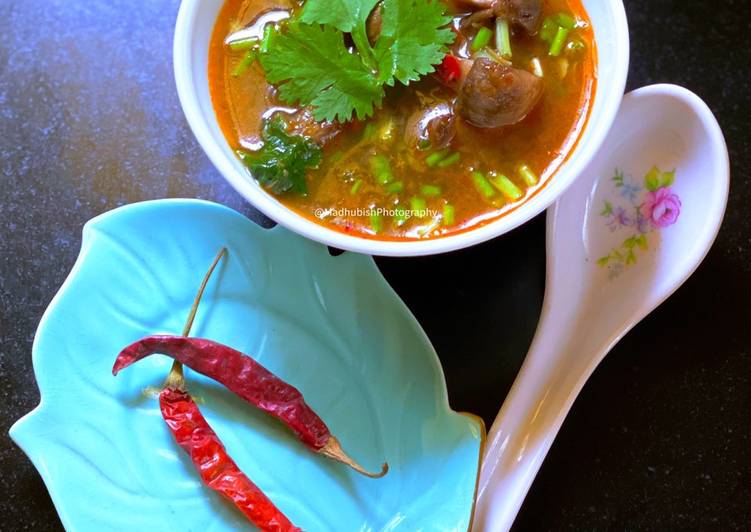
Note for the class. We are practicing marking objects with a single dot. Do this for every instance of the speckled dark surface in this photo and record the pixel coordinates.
(660, 438)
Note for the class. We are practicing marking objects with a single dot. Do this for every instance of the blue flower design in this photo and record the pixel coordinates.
(630, 190)
(618, 218)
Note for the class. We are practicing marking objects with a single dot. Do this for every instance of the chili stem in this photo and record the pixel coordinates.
(333, 449)
(176, 379)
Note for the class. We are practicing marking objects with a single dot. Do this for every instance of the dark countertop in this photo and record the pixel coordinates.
(660, 436)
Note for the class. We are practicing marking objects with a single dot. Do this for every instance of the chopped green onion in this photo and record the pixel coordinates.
(395, 187)
(509, 190)
(356, 186)
(376, 222)
(564, 20)
(243, 44)
(417, 204)
(430, 190)
(449, 214)
(537, 68)
(267, 29)
(436, 157)
(529, 177)
(451, 159)
(244, 64)
(481, 40)
(547, 32)
(558, 41)
(502, 37)
(401, 217)
(482, 185)
(381, 168)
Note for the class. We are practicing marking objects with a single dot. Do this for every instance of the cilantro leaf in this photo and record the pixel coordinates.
(412, 39)
(348, 16)
(281, 163)
(311, 65)
(344, 15)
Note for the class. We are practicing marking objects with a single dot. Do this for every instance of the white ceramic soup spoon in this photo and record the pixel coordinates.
(623, 238)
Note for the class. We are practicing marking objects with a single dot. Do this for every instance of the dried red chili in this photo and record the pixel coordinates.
(251, 381)
(218, 471)
(196, 437)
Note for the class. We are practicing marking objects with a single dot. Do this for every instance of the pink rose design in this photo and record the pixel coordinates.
(661, 207)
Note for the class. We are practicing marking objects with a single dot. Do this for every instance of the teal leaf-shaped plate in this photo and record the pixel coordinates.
(329, 325)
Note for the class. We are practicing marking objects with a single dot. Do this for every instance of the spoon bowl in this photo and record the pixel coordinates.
(623, 238)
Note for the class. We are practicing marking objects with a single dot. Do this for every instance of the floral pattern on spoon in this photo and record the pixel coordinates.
(641, 209)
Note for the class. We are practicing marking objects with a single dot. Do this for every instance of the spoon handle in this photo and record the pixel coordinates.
(551, 377)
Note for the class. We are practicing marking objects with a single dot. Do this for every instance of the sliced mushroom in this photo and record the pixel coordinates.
(496, 95)
(434, 124)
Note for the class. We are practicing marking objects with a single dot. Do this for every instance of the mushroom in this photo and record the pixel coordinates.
(434, 124)
(495, 95)
(303, 123)
(524, 14)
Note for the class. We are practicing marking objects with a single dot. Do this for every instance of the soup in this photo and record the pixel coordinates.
(462, 133)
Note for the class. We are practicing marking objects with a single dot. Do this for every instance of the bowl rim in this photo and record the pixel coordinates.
(274, 209)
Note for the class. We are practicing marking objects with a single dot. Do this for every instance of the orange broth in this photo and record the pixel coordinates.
(541, 141)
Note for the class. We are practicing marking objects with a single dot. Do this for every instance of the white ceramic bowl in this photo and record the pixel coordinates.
(195, 23)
